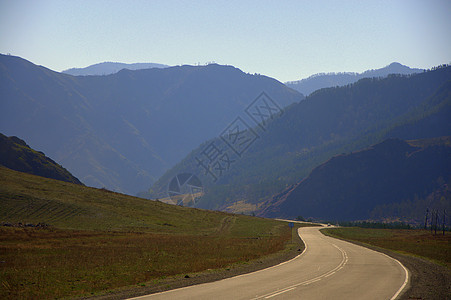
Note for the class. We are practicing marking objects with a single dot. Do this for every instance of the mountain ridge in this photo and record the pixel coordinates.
(108, 68)
(350, 186)
(123, 130)
(326, 123)
(318, 81)
(15, 154)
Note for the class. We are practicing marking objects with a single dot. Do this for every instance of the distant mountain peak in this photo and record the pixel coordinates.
(107, 68)
(123, 130)
(318, 81)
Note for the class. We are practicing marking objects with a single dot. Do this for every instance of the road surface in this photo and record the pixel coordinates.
(327, 269)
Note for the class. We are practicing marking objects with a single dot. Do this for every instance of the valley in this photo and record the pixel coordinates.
(377, 149)
(225, 150)
(122, 131)
(326, 125)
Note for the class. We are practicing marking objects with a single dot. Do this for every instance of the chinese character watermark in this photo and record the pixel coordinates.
(218, 156)
(184, 189)
(238, 137)
(263, 109)
(214, 160)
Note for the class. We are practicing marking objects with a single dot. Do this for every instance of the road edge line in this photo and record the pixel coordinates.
(246, 274)
(401, 290)
(406, 280)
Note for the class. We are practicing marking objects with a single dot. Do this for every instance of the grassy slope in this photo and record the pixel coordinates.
(17, 155)
(33, 199)
(101, 240)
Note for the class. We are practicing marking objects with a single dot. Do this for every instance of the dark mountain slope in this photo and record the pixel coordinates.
(49, 110)
(318, 81)
(122, 131)
(17, 155)
(349, 187)
(430, 119)
(328, 122)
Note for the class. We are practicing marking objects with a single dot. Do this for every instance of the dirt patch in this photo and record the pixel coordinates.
(226, 224)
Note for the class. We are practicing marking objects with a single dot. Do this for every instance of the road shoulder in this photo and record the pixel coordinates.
(427, 279)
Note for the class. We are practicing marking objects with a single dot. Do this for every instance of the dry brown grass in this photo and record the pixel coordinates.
(49, 263)
(99, 240)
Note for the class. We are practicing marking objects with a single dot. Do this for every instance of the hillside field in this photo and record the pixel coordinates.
(95, 241)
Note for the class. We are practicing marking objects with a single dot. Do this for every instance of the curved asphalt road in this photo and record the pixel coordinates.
(327, 269)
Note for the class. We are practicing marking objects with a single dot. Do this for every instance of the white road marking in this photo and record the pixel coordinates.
(242, 275)
(406, 280)
(343, 262)
(312, 281)
(281, 292)
(330, 274)
(307, 285)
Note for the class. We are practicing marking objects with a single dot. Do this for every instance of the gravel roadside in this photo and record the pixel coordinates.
(428, 281)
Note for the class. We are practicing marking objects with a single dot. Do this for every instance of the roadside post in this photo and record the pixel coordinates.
(291, 224)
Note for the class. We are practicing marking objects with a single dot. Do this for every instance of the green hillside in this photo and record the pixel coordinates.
(137, 245)
(17, 155)
(32, 199)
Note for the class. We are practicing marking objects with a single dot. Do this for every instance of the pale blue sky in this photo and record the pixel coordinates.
(287, 40)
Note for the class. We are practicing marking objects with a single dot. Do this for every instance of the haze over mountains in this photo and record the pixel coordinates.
(127, 130)
(315, 82)
(122, 131)
(107, 68)
(328, 122)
